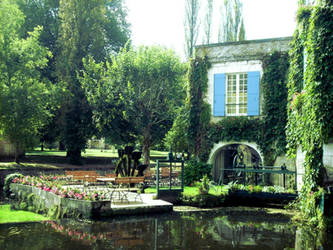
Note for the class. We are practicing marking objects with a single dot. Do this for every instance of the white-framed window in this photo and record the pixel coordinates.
(236, 94)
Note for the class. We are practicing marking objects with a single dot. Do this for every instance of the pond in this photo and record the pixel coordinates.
(169, 231)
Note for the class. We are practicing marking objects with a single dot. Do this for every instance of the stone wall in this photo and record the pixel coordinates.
(291, 166)
(243, 50)
(327, 161)
(88, 209)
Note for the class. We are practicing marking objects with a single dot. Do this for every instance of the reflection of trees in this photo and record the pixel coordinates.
(249, 233)
(193, 231)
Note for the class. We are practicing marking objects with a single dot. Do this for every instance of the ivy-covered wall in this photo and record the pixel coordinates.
(198, 109)
(310, 96)
(267, 131)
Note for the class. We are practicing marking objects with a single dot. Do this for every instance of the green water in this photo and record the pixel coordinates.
(171, 231)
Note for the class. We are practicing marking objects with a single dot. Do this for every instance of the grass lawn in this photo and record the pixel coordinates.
(10, 216)
(91, 153)
(9, 165)
(94, 155)
(193, 191)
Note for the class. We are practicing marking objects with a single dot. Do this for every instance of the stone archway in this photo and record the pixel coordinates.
(223, 154)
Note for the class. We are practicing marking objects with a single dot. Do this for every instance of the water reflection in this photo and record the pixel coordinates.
(189, 231)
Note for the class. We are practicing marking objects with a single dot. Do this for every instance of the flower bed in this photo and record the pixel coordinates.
(61, 206)
(55, 185)
(48, 194)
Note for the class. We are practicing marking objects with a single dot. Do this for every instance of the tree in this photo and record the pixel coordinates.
(44, 13)
(25, 99)
(88, 27)
(208, 22)
(142, 88)
(232, 24)
(191, 26)
(176, 138)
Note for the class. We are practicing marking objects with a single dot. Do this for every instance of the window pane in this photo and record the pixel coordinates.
(236, 94)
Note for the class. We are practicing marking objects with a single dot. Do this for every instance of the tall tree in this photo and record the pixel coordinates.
(143, 87)
(25, 98)
(191, 25)
(44, 13)
(208, 22)
(88, 27)
(232, 25)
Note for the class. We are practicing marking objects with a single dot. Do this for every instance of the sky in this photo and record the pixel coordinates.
(161, 22)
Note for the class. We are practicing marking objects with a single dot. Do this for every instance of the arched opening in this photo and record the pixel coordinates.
(231, 156)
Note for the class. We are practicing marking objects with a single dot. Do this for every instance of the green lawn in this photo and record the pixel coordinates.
(91, 153)
(9, 165)
(10, 216)
(193, 191)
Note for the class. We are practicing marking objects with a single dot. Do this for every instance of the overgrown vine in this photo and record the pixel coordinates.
(268, 133)
(198, 108)
(311, 100)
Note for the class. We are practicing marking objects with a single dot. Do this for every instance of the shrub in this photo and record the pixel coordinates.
(204, 185)
(8, 180)
(203, 200)
(195, 170)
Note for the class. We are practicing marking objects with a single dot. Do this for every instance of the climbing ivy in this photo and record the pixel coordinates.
(275, 92)
(268, 133)
(311, 103)
(236, 129)
(294, 129)
(199, 110)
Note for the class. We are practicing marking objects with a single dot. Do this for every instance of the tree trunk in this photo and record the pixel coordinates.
(74, 157)
(146, 145)
(17, 153)
(61, 146)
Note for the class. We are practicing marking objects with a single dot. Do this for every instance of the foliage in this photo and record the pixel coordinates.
(176, 138)
(275, 92)
(194, 171)
(294, 129)
(309, 211)
(192, 25)
(54, 184)
(310, 126)
(43, 13)
(25, 98)
(236, 129)
(268, 133)
(199, 110)
(103, 30)
(8, 180)
(234, 186)
(143, 88)
(203, 200)
(204, 185)
(81, 34)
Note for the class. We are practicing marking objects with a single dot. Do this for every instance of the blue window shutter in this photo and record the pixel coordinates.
(219, 94)
(253, 80)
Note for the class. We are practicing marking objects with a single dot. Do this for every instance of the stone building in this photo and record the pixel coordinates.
(235, 89)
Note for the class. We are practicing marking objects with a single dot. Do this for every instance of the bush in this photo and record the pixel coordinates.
(195, 170)
(204, 185)
(203, 200)
(8, 180)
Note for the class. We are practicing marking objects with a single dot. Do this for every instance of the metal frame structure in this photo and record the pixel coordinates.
(169, 190)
